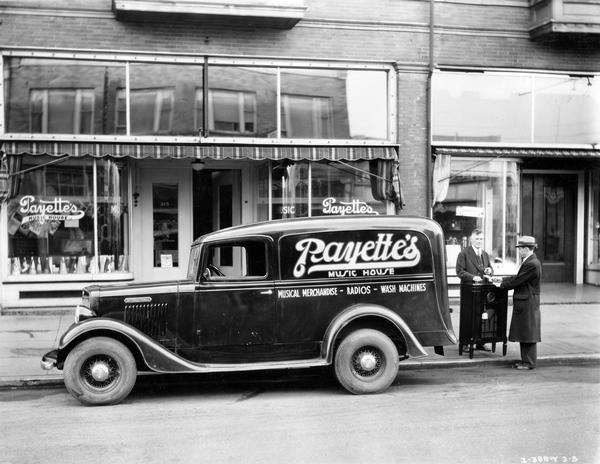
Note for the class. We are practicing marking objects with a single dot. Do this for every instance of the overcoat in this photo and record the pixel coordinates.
(468, 265)
(525, 323)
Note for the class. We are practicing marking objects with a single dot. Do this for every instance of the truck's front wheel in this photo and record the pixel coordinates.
(366, 362)
(100, 371)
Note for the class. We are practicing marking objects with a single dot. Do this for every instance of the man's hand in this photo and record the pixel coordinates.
(476, 279)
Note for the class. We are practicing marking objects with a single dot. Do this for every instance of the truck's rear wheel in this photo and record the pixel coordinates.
(100, 371)
(366, 362)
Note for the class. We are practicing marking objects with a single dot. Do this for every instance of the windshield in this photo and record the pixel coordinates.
(192, 272)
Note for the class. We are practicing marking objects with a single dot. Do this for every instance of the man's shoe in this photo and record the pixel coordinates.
(523, 367)
(482, 348)
(517, 364)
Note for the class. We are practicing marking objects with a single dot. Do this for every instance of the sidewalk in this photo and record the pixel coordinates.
(570, 333)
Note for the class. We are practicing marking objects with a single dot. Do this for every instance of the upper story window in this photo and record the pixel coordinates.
(515, 108)
(231, 112)
(306, 117)
(102, 97)
(62, 111)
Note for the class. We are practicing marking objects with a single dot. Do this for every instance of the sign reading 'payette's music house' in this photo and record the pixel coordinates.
(42, 211)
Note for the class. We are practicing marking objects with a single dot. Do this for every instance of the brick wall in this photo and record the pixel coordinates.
(484, 33)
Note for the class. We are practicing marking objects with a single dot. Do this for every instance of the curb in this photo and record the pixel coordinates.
(548, 360)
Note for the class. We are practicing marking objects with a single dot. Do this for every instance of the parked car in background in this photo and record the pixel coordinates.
(360, 293)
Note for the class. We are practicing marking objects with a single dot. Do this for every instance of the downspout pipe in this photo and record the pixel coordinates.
(431, 65)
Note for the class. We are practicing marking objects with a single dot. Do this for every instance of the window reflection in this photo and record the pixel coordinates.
(61, 96)
(329, 103)
(243, 101)
(488, 107)
(566, 109)
(327, 188)
(163, 99)
(477, 107)
(345, 188)
(70, 96)
(481, 194)
(232, 112)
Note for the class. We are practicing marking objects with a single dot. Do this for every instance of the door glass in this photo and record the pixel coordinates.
(165, 225)
(555, 231)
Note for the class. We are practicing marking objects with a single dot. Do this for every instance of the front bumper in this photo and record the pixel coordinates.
(49, 360)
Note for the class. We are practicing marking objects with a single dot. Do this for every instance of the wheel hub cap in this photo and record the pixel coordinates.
(100, 371)
(367, 361)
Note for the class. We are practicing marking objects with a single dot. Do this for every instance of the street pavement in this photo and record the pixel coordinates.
(570, 334)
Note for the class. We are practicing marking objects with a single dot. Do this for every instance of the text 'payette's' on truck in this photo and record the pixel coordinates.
(360, 293)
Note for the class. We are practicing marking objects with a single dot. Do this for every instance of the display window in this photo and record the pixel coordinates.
(478, 194)
(290, 189)
(69, 219)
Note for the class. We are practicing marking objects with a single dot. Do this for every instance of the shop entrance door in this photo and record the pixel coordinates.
(227, 213)
(548, 213)
(166, 230)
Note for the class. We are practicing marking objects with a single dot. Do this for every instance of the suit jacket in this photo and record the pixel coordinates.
(525, 325)
(468, 266)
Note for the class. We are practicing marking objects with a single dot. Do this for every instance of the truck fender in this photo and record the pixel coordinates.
(414, 348)
(155, 356)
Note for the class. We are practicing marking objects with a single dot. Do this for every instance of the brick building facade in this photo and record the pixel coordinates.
(425, 58)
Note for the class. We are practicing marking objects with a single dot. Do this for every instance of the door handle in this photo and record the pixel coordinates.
(267, 292)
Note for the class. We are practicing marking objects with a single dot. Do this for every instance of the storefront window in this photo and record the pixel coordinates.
(52, 223)
(113, 216)
(327, 103)
(53, 96)
(480, 194)
(242, 101)
(290, 189)
(303, 189)
(345, 188)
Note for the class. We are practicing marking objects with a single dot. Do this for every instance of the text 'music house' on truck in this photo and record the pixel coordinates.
(360, 293)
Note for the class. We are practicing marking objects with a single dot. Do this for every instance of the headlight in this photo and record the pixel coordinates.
(82, 313)
(83, 310)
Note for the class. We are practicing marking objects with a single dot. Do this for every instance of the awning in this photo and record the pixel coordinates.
(518, 152)
(218, 152)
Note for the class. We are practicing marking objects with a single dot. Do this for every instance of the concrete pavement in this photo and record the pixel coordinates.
(570, 333)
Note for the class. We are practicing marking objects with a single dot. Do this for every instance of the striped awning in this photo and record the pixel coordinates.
(218, 152)
(518, 152)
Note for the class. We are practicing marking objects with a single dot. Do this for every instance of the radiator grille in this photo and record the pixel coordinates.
(150, 318)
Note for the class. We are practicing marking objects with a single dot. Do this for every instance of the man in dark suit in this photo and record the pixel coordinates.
(525, 324)
(473, 263)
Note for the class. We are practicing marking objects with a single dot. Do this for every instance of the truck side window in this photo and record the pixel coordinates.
(236, 260)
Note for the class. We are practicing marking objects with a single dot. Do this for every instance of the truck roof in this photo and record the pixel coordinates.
(279, 227)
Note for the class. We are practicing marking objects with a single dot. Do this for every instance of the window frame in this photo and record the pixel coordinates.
(209, 247)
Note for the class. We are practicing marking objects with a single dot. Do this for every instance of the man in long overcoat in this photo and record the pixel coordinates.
(525, 323)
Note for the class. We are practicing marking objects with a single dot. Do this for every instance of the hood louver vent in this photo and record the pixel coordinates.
(150, 318)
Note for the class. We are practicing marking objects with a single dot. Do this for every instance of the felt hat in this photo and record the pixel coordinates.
(527, 241)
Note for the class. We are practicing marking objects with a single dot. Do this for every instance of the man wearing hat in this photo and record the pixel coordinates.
(525, 323)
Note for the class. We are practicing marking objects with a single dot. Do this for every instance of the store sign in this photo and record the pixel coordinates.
(48, 210)
(470, 211)
(341, 208)
(381, 254)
